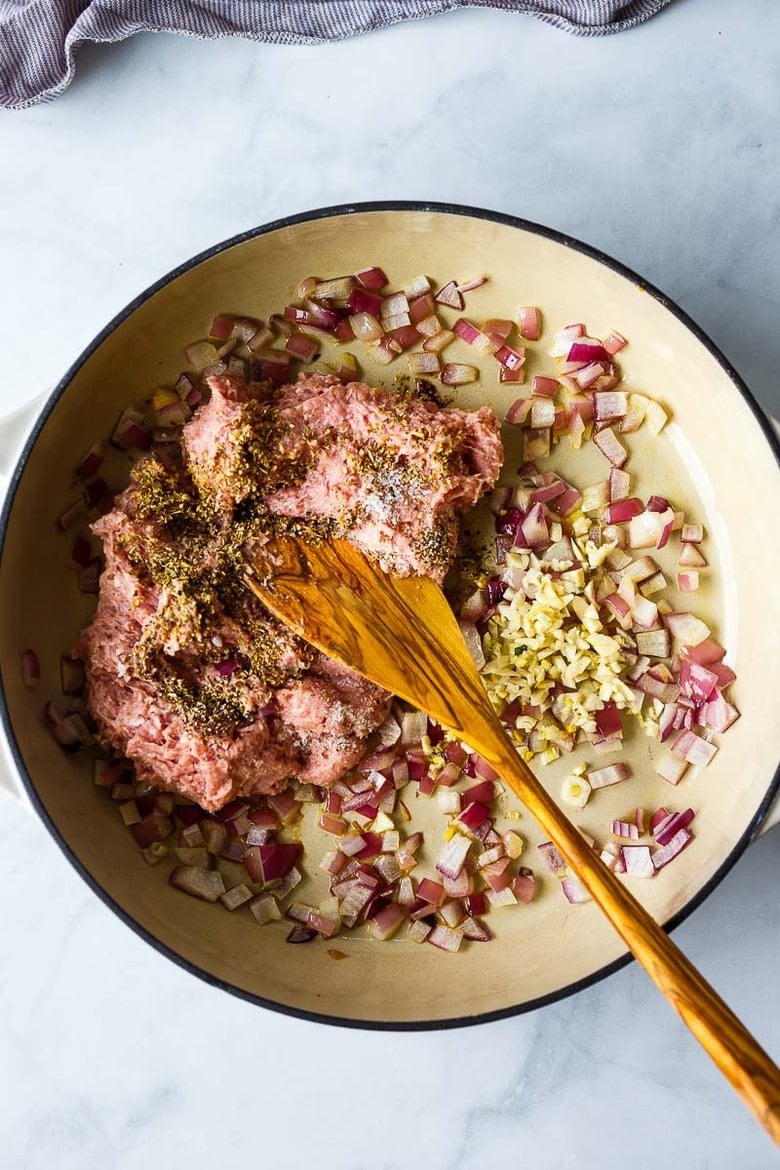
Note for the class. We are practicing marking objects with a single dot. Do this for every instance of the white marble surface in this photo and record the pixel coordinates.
(660, 146)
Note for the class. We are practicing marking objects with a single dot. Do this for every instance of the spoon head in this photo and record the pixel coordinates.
(399, 632)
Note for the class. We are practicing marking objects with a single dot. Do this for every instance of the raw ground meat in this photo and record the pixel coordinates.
(187, 675)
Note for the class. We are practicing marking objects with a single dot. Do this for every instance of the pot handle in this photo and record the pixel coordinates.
(14, 429)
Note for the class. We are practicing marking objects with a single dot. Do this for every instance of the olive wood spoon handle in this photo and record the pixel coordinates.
(401, 634)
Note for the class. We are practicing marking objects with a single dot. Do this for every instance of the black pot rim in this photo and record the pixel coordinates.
(289, 221)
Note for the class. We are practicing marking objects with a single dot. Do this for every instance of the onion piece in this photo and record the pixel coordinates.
(500, 898)
(336, 289)
(639, 862)
(672, 824)
(691, 558)
(696, 682)
(372, 278)
(529, 324)
(301, 934)
(31, 669)
(439, 341)
(384, 924)
(553, 858)
(457, 374)
(91, 462)
(518, 412)
(469, 333)
(654, 643)
(450, 295)
(692, 748)
(670, 767)
(622, 510)
(470, 285)
(664, 855)
(604, 777)
(453, 856)
(610, 404)
(575, 891)
(524, 885)
(366, 327)
(424, 363)
(511, 359)
(206, 884)
(611, 447)
(688, 582)
(614, 342)
(545, 387)
(445, 938)
(431, 892)
(626, 829)
(686, 628)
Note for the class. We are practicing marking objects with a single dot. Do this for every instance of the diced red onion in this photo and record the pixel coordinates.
(610, 404)
(622, 510)
(386, 922)
(529, 323)
(619, 488)
(613, 342)
(609, 720)
(672, 824)
(414, 725)
(453, 856)
(611, 447)
(545, 387)
(654, 643)
(445, 938)
(688, 582)
(456, 374)
(366, 327)
(575, 891)
(639, 862)
(91, 462)
(206, 884)
(687, 629)
(496, 874)
(423, 363)
(514, 376)
(518, 412)
(524, 886)
(31, 669)
(473, 642)
(470, 285)
(663, 856)
(692, 534)
(510, 358)
(625, 829)
(475, 930)
(670, 767)
(372, 278)
(612, 774)
(431, 891)
(554, 859)
(473, 815)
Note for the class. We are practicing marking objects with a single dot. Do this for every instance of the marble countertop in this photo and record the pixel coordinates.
(659, 146)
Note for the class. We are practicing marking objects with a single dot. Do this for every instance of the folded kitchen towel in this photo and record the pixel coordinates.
(39, 38)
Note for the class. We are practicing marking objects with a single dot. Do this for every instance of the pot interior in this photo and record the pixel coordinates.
(713, 460)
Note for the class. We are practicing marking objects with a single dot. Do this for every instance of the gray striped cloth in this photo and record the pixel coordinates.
(39, 38)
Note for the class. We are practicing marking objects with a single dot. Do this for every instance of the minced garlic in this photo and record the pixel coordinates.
(535, 645)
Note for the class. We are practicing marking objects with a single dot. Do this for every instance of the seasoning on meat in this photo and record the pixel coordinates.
(187, 674)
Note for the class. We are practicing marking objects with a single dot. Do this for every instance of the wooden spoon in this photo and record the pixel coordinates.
(401, 633)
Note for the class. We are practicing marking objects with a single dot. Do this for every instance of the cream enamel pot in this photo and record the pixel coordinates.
(718, 459)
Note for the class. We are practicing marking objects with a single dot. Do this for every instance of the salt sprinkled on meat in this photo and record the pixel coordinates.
(187, 674)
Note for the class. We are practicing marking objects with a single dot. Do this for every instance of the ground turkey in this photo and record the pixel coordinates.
(187, 675)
